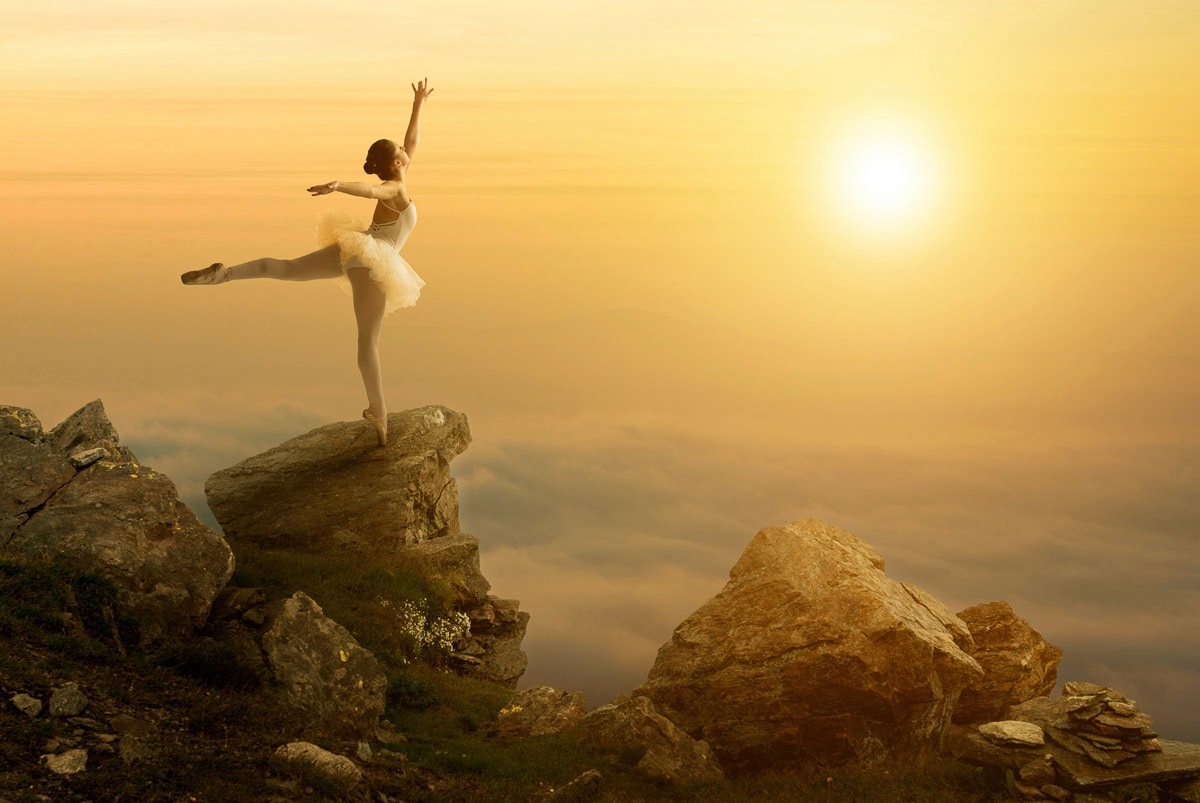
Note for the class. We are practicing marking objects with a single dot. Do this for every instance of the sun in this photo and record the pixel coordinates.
(883, 178)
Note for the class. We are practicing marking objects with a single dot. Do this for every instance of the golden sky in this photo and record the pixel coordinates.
(636, 260)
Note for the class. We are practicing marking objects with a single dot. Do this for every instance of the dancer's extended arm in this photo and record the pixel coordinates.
(385, 191)
(412, 137)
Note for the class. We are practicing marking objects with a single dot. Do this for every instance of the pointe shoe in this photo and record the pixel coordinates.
(379, 423)
(216, 273)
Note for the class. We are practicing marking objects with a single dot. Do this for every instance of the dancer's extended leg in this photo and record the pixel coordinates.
(369, 303)
(320, 264)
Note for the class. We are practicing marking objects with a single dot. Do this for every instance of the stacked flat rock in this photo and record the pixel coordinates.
(1096, 722)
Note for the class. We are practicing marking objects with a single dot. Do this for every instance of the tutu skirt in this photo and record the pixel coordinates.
(378, 250)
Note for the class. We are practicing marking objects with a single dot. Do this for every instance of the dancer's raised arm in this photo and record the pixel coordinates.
(421, 90)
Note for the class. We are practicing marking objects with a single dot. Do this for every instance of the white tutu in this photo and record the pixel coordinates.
(376, 248)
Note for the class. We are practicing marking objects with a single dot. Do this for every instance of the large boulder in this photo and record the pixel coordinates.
(74, 495)
(1018, 664)
(320, 671)
(811, 654)
(629, 726)
(334, 488)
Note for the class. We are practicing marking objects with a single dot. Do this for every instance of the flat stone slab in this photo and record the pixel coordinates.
(1177, 760)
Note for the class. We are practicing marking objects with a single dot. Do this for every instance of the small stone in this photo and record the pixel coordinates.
(104, 749)
(391, 756)
(51, 745)
(85, 457)
(129, 726)
(364, 752)
(1029, 792)
(586, 787)
(1122, 709)
(68, 701)
(1038, 773)
(1014, 732)
(306, 758)
(1055, 792)
(85, 722)
(1079, 688)
(134, 749)
(254, 616)
(67, 763)
(27, 705)
(107, 738)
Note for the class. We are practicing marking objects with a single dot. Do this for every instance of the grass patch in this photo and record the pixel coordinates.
(67, 610)
(213, 664)
(365, 597)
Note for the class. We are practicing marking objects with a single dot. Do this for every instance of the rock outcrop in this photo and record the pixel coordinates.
(811, 654)
(540, 711)
(333, 489)
(630, 726)
(1090, 739)
(75, 495)
(320, 670)
(1018, 664)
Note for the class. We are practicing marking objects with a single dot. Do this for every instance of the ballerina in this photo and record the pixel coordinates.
(380, 281)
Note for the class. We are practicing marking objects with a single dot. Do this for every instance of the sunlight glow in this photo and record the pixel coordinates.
(882, 178)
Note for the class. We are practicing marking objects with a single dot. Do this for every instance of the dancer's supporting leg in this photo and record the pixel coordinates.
(320, 264)
(369, 304)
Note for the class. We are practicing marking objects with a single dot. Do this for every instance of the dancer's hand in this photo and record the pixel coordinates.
(421, 90)
(323, 189)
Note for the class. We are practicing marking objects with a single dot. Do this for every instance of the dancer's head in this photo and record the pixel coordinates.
(385, 159)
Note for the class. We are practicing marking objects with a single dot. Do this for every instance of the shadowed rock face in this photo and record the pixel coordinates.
(320, 670)
(630, 724)
(75, 495)
(1018, 664)
(334, 488)
(810, 654)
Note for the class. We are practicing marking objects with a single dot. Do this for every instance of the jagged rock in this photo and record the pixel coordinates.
(454, 558)
(1018, 664)
(811, 654)
(27, 705)
(1081, 721)
(67, 763)
(116, 517)
(89, 428)
(308, 760)
(540, 710)
(631, 724)
(1013, 732)
(31, 471)
(68, 701)
(322, 672)
(497, 628)
(587, 786)
(1084, 760)
(334, 488)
